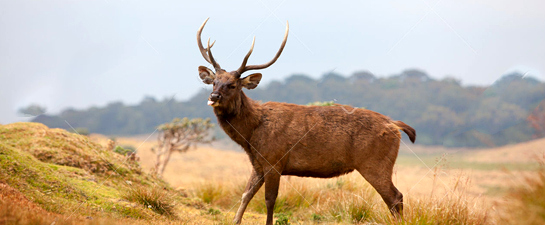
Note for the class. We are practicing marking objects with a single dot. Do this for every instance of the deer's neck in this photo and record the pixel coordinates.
(240, 119)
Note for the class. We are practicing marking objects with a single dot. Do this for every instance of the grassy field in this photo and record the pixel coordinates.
(51, 175)
(477, 180)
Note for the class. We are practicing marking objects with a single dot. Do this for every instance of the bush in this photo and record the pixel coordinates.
(317, 217)
(210, 192)
(330, 103)
(124, 150)
(155, 199)
(282, 219)
(213, 212)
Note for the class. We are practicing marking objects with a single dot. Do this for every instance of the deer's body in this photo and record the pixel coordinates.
(312, 141)
(309, 141)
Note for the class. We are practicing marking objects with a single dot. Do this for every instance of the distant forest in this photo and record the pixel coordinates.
(443, 112)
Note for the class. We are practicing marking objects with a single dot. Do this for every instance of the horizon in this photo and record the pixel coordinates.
(264, 85)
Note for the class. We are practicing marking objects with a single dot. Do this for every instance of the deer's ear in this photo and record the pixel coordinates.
(206, 75)
(251, 81)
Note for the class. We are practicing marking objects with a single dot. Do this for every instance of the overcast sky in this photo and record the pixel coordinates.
(78, 54)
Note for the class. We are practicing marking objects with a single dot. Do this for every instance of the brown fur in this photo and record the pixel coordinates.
(309, 141)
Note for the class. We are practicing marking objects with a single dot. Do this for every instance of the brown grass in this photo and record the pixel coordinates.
(346, 200)
(443, 195)
(154, 198)
(528, 199)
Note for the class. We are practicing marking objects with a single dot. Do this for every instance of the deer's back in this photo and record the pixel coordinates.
(322, 141)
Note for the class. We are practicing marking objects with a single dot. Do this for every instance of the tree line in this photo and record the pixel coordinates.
(443, 112)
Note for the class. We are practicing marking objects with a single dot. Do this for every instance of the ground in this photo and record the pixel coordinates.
(420, 171)
(53, 175)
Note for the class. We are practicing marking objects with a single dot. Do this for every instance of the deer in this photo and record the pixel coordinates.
(298, 140)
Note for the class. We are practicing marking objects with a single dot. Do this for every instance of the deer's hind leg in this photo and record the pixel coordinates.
(382, 182)
(377, 169)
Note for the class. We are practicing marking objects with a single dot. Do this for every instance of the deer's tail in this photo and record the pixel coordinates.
(407, 129)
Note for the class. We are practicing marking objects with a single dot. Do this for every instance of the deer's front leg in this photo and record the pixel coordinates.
(254, 183)
(272, 182)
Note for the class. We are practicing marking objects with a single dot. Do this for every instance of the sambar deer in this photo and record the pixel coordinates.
(308, 141)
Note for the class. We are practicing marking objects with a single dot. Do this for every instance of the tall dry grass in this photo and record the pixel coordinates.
(527, 201)
(155, 199)
(349, 200)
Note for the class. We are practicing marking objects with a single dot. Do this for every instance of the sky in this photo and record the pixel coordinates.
(79, 54)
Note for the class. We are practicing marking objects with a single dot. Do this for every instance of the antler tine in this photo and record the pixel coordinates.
(212, 61)
(204, 51)
(263, 66)
(242, 67)
(199, 43)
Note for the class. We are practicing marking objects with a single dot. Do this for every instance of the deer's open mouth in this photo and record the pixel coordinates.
(213, 103)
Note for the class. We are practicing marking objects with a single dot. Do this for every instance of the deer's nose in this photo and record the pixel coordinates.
(215, 97)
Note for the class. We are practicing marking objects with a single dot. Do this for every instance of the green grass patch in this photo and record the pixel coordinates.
(66, 173)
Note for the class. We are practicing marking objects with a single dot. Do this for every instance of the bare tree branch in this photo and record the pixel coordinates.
(179, 135)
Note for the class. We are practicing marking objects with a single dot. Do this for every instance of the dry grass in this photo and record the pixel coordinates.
(528, 199)
(346, 200)
(211, 193)
(443, 195)
(154, 198)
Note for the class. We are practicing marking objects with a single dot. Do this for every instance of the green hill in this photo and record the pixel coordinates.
(51, 175)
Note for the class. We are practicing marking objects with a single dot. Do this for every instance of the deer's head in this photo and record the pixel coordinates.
(228, 85)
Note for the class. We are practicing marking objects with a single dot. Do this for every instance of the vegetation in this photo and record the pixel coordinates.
(125, 150)
(32, 110)
(178, 136)
(51, 175)
(328, 103)
(444, 112)
(529, 199)
(537, 120)
(344, 200)
(154, 198)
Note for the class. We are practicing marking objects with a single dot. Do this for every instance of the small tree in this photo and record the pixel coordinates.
(178, 136)
(32, 110)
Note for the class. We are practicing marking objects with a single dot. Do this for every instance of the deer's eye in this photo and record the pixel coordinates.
(232, 86)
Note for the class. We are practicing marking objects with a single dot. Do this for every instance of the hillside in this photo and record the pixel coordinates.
(444, 112)
(51, 175)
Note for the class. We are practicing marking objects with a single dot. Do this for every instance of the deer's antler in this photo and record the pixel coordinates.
(206, 53)
(243, 68)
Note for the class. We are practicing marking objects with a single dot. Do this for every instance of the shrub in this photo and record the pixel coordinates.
(317, 217)
(282, 219)
(125, 150)
(155, 199)
(212, 211)
(329, 103)
(210, 192)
